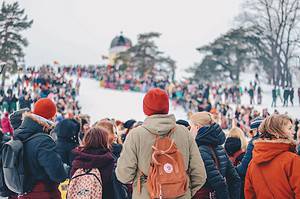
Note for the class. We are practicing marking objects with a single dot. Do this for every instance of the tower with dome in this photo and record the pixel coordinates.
(119, 44)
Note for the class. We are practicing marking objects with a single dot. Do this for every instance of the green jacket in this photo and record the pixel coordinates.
(137, 150)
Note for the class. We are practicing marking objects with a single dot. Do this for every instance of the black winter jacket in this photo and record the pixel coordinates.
(42, 162)
(67, 132)
(225, 180)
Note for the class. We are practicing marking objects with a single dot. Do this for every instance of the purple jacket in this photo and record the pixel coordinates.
(96, 158)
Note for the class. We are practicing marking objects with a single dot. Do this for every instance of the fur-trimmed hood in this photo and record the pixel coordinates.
(33, 124)
(266, 150)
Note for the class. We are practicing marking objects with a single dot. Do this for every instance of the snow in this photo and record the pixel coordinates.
(123, 105)
(101, 103)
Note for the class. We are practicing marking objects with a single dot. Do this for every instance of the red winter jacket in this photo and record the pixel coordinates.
(6, 126)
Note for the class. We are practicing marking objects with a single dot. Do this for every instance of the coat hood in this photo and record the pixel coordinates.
(210, 135)
(266, 150)
(91, 158)
(33, 124)
(67, 131)
(160, 124)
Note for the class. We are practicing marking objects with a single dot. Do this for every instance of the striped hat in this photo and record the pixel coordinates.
(254, 124)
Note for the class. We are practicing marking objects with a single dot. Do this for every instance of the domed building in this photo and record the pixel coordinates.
(119, 44)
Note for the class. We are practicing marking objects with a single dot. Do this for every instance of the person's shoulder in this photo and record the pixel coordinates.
(42, 140)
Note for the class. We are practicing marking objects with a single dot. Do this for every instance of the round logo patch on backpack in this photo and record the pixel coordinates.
(168, 168)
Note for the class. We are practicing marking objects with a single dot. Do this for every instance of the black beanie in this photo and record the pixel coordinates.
(232, 145)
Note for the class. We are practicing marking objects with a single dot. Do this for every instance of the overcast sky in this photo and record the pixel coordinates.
(80, 31)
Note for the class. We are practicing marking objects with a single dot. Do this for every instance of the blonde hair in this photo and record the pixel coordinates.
(272, 127)
(236, 132)
(202, 118)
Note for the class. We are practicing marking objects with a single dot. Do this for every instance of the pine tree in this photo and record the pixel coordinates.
(145, 56)
(13, 21)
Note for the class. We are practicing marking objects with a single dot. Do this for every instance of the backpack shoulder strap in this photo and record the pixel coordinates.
(216, 160)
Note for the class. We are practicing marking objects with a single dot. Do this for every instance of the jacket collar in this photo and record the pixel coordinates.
(160, 124)
(33, 124)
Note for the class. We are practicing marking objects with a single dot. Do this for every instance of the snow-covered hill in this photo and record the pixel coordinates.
(123, 105)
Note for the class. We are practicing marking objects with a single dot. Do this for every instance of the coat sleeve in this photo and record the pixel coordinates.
(233, 181)
(214, 177)
(242, 167)
(196, 167)
(294, 176)
(50, 160)
(127, 163)
(248, 189)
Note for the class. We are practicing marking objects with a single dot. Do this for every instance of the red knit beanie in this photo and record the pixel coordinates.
(45, 108)
(156, 101)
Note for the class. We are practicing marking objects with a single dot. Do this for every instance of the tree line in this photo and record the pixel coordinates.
(266, 37)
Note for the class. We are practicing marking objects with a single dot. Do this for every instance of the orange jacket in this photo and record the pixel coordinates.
(274, 172)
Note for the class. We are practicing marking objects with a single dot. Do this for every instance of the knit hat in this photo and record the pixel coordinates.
(45, 108)
(156, 101)
(129, 124)
(232, 145)
(254, 124)
(183, 123)
(16, 118)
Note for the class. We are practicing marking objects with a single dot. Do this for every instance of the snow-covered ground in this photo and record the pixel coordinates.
(123, 105)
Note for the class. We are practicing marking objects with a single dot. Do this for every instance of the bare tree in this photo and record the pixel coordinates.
(278, 22)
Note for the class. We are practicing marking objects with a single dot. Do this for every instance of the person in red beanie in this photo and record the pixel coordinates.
(45, 169)
(137, 149)
(156, 101)
(45, 108)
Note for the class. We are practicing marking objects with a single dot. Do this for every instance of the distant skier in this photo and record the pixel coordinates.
(251, 94)
(286, 94)
(292, 96)
(259, 95)
(279, 93)
(274, 97)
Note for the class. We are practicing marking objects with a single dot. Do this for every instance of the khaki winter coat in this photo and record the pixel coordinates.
(136, 154)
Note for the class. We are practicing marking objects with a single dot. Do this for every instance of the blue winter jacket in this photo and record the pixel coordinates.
(243, 166)
(225, 180)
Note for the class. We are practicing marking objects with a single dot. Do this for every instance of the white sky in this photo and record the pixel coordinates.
(80, 31)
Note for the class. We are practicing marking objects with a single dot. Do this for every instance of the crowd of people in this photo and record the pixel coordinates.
(217, 153)
(288, 96)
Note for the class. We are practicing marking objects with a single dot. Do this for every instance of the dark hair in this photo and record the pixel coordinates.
(96, 137)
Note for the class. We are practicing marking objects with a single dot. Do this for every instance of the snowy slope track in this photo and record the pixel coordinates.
(100, 103)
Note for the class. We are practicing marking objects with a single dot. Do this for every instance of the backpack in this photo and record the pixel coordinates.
(13, 163)
(4, 191)
(85, 184)
(167, 176)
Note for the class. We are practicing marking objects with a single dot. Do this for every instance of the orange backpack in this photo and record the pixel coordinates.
(167, 176)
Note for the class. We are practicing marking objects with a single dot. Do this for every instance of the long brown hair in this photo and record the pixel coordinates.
(272, 126)
(96, 137)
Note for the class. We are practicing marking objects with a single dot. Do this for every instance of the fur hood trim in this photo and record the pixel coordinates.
(46, 124)
(284, 141)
